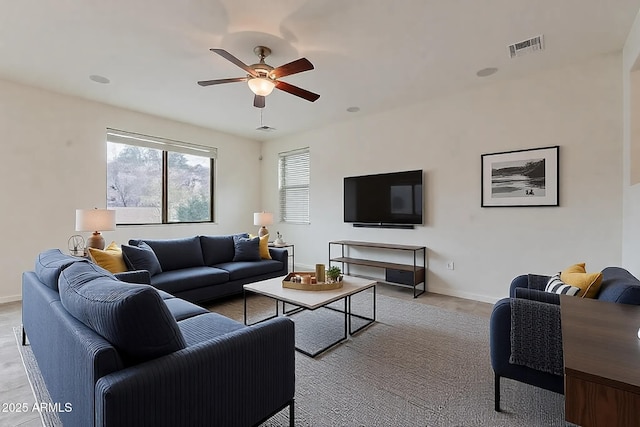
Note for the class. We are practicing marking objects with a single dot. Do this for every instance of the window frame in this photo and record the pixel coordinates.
(302, 155)
(166, 146)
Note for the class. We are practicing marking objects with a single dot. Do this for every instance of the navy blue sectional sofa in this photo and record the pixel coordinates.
(128, 354)
(203, 268)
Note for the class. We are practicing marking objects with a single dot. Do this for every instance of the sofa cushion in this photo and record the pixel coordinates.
(181, 309)
(189, 278)
(589, 283)
(110, 258)
(243, 269)
(164, 295)
(246, 248)
(207, 326)
(618, 285)
(131, 317)
(174, 254)
(50, 263)
(141, 257)
(217, 249)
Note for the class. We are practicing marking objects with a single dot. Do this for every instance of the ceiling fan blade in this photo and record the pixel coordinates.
(295, 90)
(297, 66)
(226, 55)
(258, 101)
(220, 81)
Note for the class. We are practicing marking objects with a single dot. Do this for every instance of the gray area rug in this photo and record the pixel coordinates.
(40, 392)
(418, 365)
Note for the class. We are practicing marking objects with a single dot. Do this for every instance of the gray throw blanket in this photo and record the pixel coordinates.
(536, 338)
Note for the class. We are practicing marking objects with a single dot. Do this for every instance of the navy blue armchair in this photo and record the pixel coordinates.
(541, 340)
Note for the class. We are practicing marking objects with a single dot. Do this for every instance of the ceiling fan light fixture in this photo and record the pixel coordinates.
(261, 86)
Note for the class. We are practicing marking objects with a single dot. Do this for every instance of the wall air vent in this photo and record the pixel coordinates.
(524, 47)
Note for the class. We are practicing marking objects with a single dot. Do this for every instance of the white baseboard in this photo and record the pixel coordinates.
(465, 295)
(435, 290)
(11, 298)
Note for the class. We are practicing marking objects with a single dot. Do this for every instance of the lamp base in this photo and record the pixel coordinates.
(263, 231)
(96, 241)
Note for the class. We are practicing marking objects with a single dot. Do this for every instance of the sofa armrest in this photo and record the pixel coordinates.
(536, 336)
(279, 254)
(500, 345)
(141, 277)
(500, 335)
(528, 281)
(536, 295)
(239, 378)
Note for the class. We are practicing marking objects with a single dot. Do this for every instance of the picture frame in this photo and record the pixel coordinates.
(521, 178)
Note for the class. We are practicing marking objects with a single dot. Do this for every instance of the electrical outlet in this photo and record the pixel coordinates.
(450, 265)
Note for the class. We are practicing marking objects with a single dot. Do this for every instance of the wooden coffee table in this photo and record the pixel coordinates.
(313, 300)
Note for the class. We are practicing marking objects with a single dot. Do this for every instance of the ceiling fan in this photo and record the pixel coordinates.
(262, 77)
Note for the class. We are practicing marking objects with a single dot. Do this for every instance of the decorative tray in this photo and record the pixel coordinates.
(310, 283)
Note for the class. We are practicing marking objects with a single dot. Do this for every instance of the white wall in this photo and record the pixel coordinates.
(578, 108)
(53, 162)
(631, 193)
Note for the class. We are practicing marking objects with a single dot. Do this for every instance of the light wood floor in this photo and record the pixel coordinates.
(14, 386)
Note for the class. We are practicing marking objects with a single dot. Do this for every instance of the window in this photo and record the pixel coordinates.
(153, 180)
(293, 177)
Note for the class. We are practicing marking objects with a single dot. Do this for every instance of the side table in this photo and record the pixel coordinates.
(292, 253)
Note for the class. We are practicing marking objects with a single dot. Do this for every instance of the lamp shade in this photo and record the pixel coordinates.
(95, 219)
(262, 218)
(262, 86)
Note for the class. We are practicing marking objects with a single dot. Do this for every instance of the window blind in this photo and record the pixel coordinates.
(294, 186)
(130, 138)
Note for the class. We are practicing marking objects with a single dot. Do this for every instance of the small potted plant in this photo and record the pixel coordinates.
(333, 274)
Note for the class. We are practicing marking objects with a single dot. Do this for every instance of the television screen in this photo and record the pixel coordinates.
(388, 198)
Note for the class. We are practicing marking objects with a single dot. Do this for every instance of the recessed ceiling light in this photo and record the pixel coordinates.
(485, 72)
(99, 79)
(353, 109)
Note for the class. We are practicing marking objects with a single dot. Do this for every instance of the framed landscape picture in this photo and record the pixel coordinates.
(521, 178)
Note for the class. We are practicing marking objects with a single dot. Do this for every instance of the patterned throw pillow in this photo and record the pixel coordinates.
(557, 286)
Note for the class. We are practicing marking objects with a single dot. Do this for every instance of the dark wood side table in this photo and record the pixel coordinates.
(601, 362)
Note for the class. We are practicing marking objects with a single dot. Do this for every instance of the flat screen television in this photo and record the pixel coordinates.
(386, 199)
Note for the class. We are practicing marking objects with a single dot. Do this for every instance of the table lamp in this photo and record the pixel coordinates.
(262, 219)
(95, 220)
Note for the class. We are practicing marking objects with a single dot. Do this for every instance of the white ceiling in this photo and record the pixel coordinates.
(373, 54)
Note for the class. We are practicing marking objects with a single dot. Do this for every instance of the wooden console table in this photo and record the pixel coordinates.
(601, 362)
(409, 274)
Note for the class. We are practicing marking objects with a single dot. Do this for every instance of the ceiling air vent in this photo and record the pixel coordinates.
(526, 46)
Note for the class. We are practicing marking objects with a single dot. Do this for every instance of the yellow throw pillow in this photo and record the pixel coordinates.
(264, 246)
(589, 283)
(110, 259)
